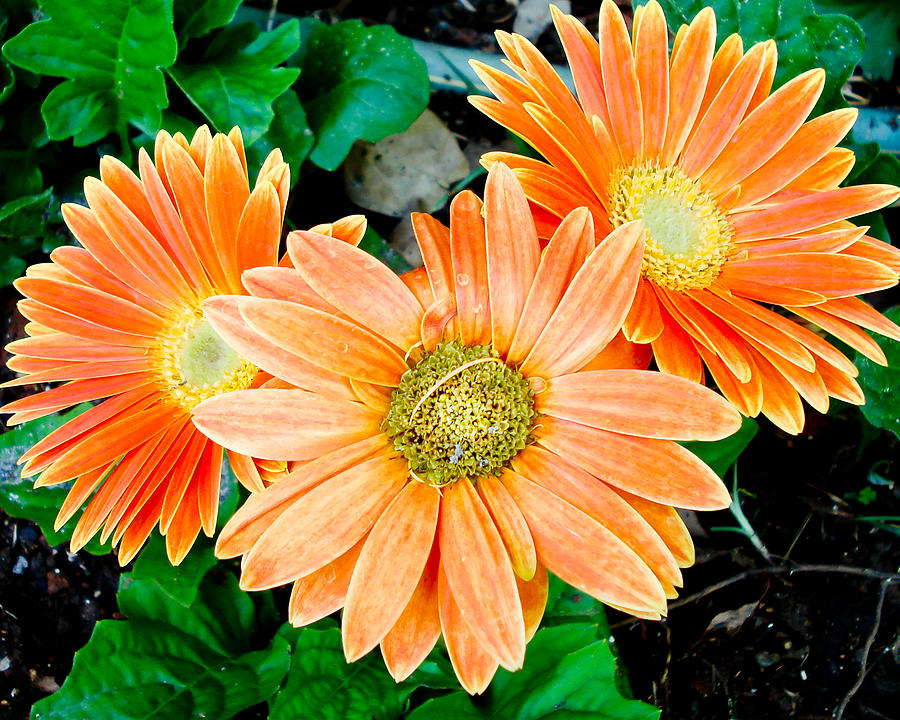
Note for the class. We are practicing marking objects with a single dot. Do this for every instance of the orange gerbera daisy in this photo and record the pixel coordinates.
(739, 198)
(120, 318)
(451, 445)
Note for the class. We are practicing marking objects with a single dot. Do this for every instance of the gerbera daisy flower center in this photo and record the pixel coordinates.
(688, 238)
(461, 412)
(194, 363)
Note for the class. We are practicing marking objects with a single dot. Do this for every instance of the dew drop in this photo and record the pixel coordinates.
(462, 279)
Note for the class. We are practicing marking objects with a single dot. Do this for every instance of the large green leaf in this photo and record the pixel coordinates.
(880, 383)
(805, 40)
(721, 454)
(322, 685)
(181, 583)
(112, 54)
(171, 661)
(568, 673)
(358, 82)
(288, 132)
(19, 498)
(195, 18)
(880, 19)
(240, 78)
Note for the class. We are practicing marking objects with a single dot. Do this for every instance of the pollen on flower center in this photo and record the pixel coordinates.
(461, 412)
(687, 235)
(194, 363)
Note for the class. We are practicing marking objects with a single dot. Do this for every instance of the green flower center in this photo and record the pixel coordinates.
(687, 236)
(193, 362)
(461, 412)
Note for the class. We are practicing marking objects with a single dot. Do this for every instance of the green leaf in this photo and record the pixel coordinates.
(195, 18)
(220, 614)
(376, 245)
(240, 80)
(805, 40)
(181, 583)
(322, 685)
(880, 19)
(18, 497)
(721, 454)
(289, 132)
(24, 216)
(568, 673)
(168, 660)
(568, 605)
(112, 54)
(880, 383)
(144, 669)
(359, 82)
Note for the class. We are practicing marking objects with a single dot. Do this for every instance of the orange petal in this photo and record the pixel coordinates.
(480, 575)
(284, 424)
(751, 326)
(226, 192)
(474, 666)
(469, 255)
(260, 510)
(181, 486)
(597, 500)
(620, 83)
(389, 568)
(187, 188)
(617, 400)
(746, 395)
(583, 54)
(208, 474)
(357, 284)
(811, 210)
(513, 253)
(323, 524)
(659, 470)
(724, 114)
(707, 330)
(323, 591)
(415, 633)
(843, 330)
(675, 352)
(856, 311)
(174, 237)
(806, 146)
(69, 324)
(582, 552)
(607, 280)
(259, 230)
(687, 81)
(223, 313)
(85, 227)
(80, 391)
(97, 450)
(651, 52)
(781, 403)
(643, 324)
(511, 525)
(434, 242)
(533, 596)
(757, 139)
(832, 275)
(560, 261)
(134, 241)
(325, 340)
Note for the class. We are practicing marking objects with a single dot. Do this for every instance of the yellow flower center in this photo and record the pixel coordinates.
(194, 363)
(687, 235)
(461, 412)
